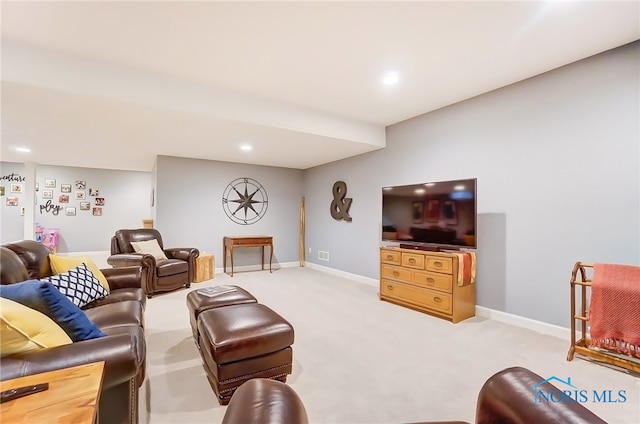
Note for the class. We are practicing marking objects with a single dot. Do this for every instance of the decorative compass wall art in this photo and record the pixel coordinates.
(244, 201)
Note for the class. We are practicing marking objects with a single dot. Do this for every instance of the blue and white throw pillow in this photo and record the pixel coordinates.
(79, 285)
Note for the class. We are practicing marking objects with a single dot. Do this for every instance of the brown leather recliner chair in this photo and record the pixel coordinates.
(178, 270)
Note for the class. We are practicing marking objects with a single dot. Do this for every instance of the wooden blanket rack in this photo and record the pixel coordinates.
(580, 342)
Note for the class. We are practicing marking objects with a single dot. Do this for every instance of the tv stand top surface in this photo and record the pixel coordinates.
(426, 247)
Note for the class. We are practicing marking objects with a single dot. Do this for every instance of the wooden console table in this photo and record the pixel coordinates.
(72, 396)
(229, 243)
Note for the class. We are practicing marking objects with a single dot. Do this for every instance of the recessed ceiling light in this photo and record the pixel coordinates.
(23, 150)
(419, 191)
(459, 187)
(246, 148)
(391, 78)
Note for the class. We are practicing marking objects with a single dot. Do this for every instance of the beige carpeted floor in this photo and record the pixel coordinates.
(360, 360)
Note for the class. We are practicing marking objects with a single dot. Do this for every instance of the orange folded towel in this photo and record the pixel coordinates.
(614, 311)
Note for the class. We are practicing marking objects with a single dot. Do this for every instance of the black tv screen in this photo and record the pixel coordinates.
(439, 214)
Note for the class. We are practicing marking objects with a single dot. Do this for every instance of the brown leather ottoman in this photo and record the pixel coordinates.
(241, 342)
(197, 303)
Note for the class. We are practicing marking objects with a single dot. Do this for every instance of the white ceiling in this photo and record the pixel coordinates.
(113, 84)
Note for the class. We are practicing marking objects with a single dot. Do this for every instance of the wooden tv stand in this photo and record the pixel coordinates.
(428, 282)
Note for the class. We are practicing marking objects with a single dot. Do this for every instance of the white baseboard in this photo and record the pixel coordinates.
(355, 277)
(531, 324)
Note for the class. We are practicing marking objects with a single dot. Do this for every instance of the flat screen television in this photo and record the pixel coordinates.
(434, 215)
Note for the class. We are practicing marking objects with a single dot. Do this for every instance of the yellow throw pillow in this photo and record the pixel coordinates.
(61, 264)
(23, 329)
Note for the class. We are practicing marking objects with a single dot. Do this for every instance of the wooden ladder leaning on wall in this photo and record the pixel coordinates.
(581, 345)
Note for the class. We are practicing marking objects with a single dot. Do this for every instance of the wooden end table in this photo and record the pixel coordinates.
(229, 243)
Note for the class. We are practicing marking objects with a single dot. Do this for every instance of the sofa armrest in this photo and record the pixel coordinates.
(131, 259)
(125, 277)
(509, 396)
(183, 253)
(118, 351)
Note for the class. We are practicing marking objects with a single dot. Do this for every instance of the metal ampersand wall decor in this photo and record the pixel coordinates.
(245, 201)
(340, 204)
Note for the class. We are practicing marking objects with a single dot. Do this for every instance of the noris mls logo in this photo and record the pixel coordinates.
(543, 393)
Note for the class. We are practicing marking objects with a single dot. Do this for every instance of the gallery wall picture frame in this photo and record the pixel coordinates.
(2, 190)
(23, 210)
(37, 186)
(100, 201)
(47, 194)
(85, 206)
(65, 188)
(449, 212)
(97, 212)
(50, 183)
(433, 210)
(80, 195)
(12, 201)
(70, 211)
(416, 212)
(81, 185)
(63, 198)
(16, 188)
(93, 192)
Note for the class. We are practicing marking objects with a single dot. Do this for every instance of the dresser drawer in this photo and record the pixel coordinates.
(433, 280)
(390, 257)
(395, 273)
(439, 264)
(413, 260)
(429, 299)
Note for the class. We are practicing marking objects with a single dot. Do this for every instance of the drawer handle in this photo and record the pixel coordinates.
(412, 260)
(389, 287)
(389, 257)
(437, 300)
(430, 280)
(438, 264)
(396, 273)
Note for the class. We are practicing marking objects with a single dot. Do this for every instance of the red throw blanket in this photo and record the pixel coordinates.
(614, 312)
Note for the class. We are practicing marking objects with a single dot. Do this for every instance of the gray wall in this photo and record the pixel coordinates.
(189, 207)
(126, 195)
(557, 160)
(11, 221)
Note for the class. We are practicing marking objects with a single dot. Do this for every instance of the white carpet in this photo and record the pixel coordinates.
(360, 360)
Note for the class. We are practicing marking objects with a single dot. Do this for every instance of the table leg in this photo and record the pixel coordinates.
(262, 256)
(224, 256)
(231, 254)
(270, 257)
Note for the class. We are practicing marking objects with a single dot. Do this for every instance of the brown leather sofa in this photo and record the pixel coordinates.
(120, 315)
(179, 270)
(507, 397)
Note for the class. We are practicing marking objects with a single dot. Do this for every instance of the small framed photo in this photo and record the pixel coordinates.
(47, 194)
(16, 188)
(12, 201)
(63, 198)
(85, 206)
(65, 188)
(1, 190)
(37, 186)
(23, 210)
(49, 183)
(81, 185)
(97, 211)
(71, 211)
(93, 192)
(99, 201)
(80, 195)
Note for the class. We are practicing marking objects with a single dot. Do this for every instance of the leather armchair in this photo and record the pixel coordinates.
(161, 275)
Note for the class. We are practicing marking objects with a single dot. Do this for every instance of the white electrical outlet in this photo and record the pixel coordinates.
(309, 250)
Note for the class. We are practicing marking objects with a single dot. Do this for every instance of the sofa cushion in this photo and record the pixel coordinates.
(149, 247)
(23, 329)
(79, 285)
(46, 299)
(60, 264)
